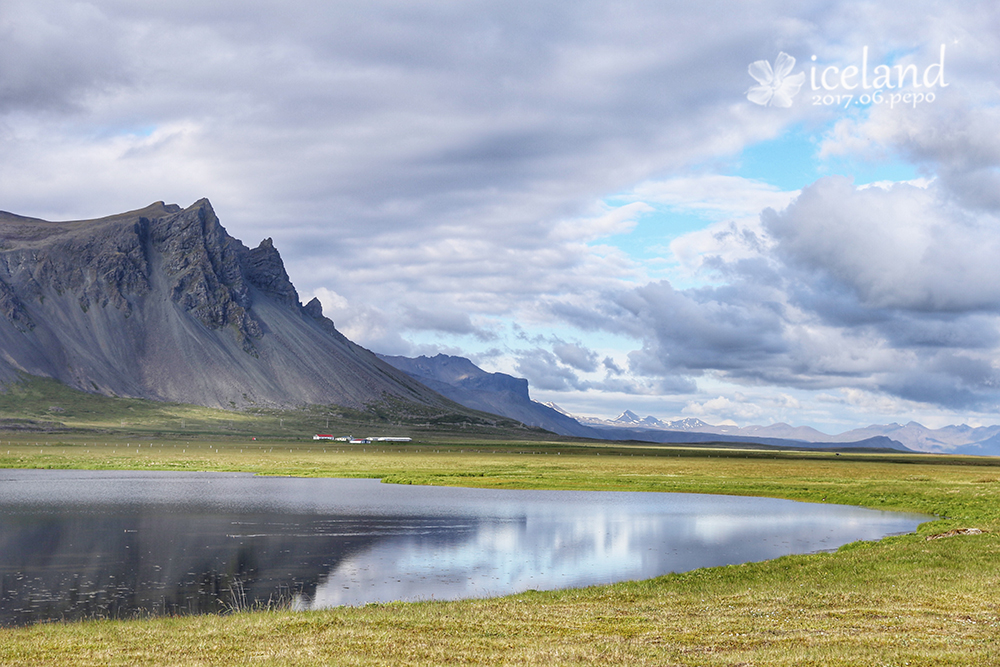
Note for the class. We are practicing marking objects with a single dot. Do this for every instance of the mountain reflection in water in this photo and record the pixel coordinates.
(80, 544)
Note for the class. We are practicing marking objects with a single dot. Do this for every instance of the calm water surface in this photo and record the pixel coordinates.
(84, 544)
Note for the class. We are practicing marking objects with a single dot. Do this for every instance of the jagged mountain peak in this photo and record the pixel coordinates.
(627, 417)
(687, 423)
(314, 308)
(266, 271)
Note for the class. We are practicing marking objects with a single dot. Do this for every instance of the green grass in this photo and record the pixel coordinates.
(43, 405)
(904, 600)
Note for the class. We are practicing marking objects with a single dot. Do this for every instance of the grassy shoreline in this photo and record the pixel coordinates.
(904, 600)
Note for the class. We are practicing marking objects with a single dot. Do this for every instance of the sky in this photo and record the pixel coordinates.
(748, 212)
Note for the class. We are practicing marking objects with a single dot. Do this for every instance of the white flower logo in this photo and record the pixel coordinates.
(776, 88)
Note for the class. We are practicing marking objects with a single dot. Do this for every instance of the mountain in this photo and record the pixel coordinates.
(667, 436)
(689, 424)
(960, 439)
(630, 426)
(163, 303)
(629, 419)
(550, 404)
(632, 420)
(804, 433)
(462, 381)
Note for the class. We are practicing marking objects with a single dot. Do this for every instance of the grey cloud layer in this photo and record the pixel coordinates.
(55, 55)
(889, 290)
(437, 164)
(368, 124)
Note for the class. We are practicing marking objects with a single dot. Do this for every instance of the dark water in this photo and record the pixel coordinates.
(82, 544)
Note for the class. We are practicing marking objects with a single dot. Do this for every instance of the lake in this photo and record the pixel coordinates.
(108, 544)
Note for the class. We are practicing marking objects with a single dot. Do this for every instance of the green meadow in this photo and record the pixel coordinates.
(906, 600)
(903, 600)
(45, 406)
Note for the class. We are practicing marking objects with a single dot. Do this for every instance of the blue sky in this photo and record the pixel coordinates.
(791, 162)
(628, 209)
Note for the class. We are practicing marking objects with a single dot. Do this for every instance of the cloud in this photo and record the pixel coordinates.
(878, 289)
(450, 322)
(612, 367)
(576, 356)
(905, 247)
(361, 322)
(637, 386)
(695, 330)
(719, 196)
(56, 54)
(954, 139)
(617, 220)
(722, 408)
(543, 371)
(751, 406)
(441, 168)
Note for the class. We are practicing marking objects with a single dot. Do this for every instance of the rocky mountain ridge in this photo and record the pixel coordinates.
(465, 383)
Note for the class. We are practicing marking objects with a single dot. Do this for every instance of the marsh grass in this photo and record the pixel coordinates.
(903, 600)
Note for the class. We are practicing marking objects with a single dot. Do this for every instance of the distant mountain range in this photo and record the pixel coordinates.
(963, 439)
(463, 382)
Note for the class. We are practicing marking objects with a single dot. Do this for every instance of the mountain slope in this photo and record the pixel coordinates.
(162, 303)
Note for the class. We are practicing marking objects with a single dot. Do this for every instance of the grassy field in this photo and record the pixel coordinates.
(45, 406)
(904, 600)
